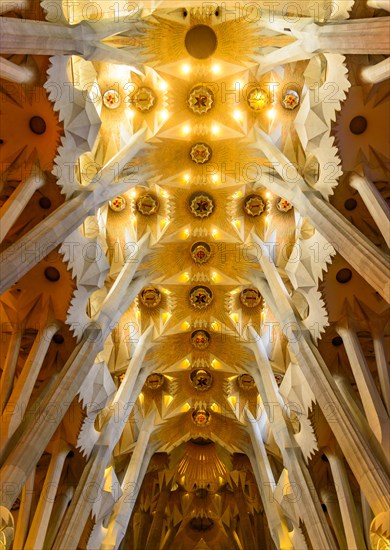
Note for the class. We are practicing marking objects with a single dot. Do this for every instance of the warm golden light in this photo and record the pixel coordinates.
(186, 68)
(164, 114)
(186, 129)
(237, 115)
(214, 129)
(216, 68)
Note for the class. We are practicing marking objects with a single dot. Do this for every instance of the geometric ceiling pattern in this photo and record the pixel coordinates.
(194, 297)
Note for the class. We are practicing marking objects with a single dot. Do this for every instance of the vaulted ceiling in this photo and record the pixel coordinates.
(190, 254)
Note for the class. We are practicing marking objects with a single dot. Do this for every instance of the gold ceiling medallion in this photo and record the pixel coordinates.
(250, 297)
(118, 204)
(147, 205)
(254, 205)
(154, 381)
(290, 99)
(200, 153)
(201, 205)
(200, 339)
(200, 100)
(143, 99)
(283, 205)
(257, 99)
(200, 417)
(150, 296)
(201, 379)
(201, 297)
(200, 252)
(111, 99)
(278, 378)
(246, 382)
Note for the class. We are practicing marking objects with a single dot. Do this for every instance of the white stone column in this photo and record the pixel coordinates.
(266, 483)
(382, 365)
(24, 254)
(60, 506)
(17, 404)
(364, 455)
(131, 485)
(9, 367)
(21, 74)
(354, 36)
(93, 474)
(374, 409)
(368, 261)
(315, 521)
(329, 498)
(24, 512)
(375, 203)
(351, 523)
(13, 5)
(42, 516)
(379, 4)
(374, 74)
(17, 202)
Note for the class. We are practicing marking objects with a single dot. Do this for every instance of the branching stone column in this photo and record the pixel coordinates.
(42, 516)
(370, 263)
(329, 498)
(20, 74)
(364, 455)
(40, 428)
(17, 202)
(131, 485)
(374, 74)
(7, 378)
(352, 528)
(355, 36)
(375, 203)
(13, 5)
(156, 529)
(93, 474)
(315, 521)
(374, 409)
(276, 521)
(24, 512)
(24, 254)
(17, 404)
(83, 39)
(379, 4)
(380, 350)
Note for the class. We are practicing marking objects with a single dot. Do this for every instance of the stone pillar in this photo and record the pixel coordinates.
(316, 524)
(13, 5)
(364, 455)
(245, 522)
(40, 428)
(379, 4)
(21, 74)
(93, 474)
(17, 404)
(53, 230)
(373, 74)
(354, 36)
(382, 364)
(156, 529)
(17, 202)
(60, 506)
(131, 485)
(372, 403)
(24, 512)
(266, 484)
(42, 516)
(375, 203)
(369, 262)
(351, 523)
(9, 367)
(143, 529)
(329, 498)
